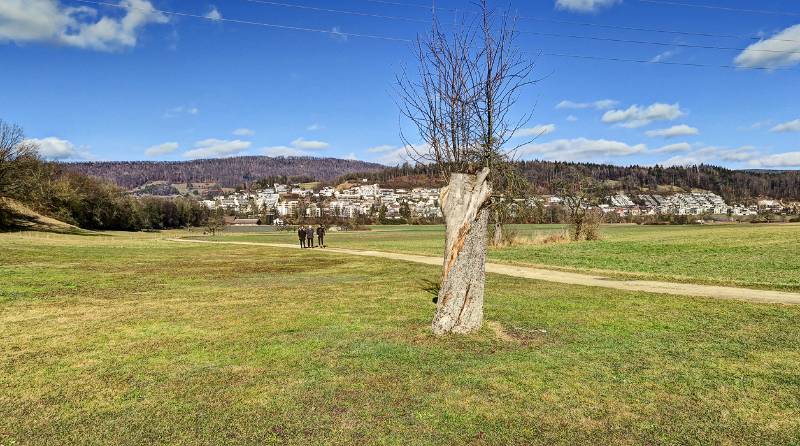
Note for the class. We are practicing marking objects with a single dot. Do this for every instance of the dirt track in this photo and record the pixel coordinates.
(680, 289)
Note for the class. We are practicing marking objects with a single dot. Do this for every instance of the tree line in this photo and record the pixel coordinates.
(735, 186)
(228, 172)
(81, 200)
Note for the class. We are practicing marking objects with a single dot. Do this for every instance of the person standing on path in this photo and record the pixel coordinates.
(301, 234)
(321, 236)
(310, 236)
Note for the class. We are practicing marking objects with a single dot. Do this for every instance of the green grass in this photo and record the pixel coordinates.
(757, 256)
(126, 339)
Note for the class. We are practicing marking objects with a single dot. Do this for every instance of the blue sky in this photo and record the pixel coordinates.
(100, 82)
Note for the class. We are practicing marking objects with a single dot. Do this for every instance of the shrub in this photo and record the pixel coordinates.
(591, 225)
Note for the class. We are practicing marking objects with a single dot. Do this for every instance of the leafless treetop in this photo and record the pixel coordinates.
(462, 100)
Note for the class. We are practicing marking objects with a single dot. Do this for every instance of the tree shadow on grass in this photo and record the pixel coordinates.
(432, 288)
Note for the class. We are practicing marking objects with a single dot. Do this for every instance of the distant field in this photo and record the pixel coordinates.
(126, 339)
(759, 256)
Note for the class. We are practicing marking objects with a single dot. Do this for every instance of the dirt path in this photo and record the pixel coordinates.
(680, 289)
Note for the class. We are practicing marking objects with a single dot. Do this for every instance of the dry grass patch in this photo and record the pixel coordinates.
(511, 238)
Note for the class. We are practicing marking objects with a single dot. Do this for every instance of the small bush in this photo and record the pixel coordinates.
(508, 237)
(591, 226)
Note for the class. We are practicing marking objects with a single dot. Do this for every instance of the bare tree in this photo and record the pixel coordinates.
(580, 197)
(460, 103)
(18, 158)
(511, 185)
(215, 222)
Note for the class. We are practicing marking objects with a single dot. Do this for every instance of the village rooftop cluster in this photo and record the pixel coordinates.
(285, 201)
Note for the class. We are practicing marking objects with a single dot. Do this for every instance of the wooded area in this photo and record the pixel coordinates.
(228, 172)
(739, 186)
(81, 200)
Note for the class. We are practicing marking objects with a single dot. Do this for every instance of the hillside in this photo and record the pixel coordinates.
(15, 215)
(228, 172)
(733, 185)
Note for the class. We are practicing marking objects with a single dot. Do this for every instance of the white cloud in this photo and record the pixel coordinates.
(338, 35)
(161, 149)
(212, 148)
(603, 104)
(585, 5)
(398, 155)
(53, 148)
(314, 127)
(213, 14)
(660, 57)
(711, 154)
(284, 151)
(24, 21)
(537, 130)
(174, 112)
(780, 50)
(672, 148)
(672, 132)
(791, 126)
(681, 161)
(572, 118)
(298, 147)
(758, 125)
(382, 149)
(636, 116)
(303, 144)
(393, 155)
(351, 156)
(243, 132)
(580, 149)
(394, 158)
(788, 159)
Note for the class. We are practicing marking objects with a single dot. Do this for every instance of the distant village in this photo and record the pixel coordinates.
(284, 203)
(289, 203)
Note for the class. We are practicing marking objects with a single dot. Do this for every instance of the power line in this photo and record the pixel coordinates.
(386, 2)
(653, 62)
(648, 42)
(247, 22)
(661, 2)
(722, 8)
(654, 30)
(337, 33)
(339, 11)
(607, 39)
(597, 25)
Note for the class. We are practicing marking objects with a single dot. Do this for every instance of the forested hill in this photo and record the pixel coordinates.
(228, 172)
(733, 185)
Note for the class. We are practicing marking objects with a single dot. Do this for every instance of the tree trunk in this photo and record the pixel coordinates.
(459, 307)
(498, 230)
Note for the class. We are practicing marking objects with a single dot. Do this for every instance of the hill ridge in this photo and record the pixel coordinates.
(228, 172)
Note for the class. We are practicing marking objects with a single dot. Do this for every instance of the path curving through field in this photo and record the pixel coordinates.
(678, 289)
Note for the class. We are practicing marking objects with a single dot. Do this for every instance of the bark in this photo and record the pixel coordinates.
(459, 307)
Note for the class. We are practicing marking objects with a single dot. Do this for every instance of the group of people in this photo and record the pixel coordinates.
(306, 236)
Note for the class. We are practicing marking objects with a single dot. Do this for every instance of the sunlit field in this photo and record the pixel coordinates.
(129, 339)
(746, 255)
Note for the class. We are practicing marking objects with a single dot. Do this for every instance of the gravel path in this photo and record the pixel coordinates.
(679, 289)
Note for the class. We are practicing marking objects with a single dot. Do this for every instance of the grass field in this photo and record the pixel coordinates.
(756, 256)
(126, 339)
